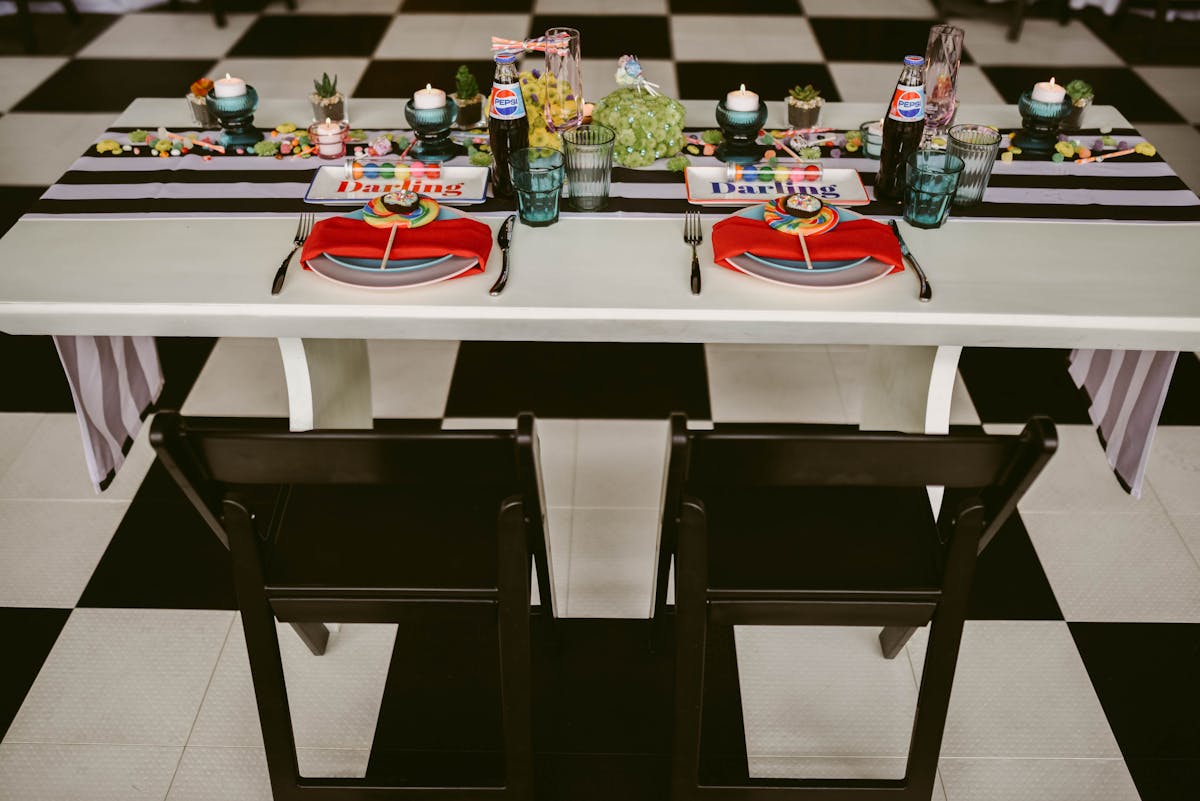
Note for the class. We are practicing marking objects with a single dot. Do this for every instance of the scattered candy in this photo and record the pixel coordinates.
(852, 146)
(1082, 152)
(164, 154)
(127, 148)
(138, 136)
(265, 148)
(108, 146)
(1106, 129)
(1014, 150)
(175, 151)
(1065, 149)
(1145, 149)
(185, 150)
(286, 127)
(1006, 157)
(710, 149)
(836, 153)
(1057, 158)
(1109, 141)
(241, 151)
(137, 151)
(1122, 145)
(770, 154)
(207, 157)
(693, 149)
(285, 147)
(358, 151)
(1098, 144)
(162, 145)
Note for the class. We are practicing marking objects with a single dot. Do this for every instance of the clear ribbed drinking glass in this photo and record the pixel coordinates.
(589, 152)
(977, 146)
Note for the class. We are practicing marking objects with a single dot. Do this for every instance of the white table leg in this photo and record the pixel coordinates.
(328, 383)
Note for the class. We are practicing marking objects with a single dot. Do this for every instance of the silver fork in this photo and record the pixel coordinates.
(693, 235)
(303, 229)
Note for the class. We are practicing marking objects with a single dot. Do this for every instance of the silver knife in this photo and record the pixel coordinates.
(504, 239)
(925, 294)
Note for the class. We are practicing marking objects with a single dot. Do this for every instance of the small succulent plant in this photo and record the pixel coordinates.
(1079, 90)
(326, 88)
(805, 94)
(466, 87)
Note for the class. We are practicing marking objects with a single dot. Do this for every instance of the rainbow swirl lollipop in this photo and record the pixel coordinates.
(800, 214)
(400, 209)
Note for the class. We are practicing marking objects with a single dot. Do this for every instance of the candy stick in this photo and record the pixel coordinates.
(804, 247)
(199, 142)
(1106, 156)
(788, 150)
(387, 251)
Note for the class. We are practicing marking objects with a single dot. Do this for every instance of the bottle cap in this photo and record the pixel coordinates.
(914, 61)
(505, 57)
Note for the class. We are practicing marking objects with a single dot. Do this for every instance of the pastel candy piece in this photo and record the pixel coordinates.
(417, 169)
(402, 172)
(387, 170)
(371, 170)
(356, 170)
(433, 170)
(749, 172)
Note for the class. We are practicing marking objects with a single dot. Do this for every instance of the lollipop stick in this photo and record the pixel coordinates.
(387, 251)
(804, 247)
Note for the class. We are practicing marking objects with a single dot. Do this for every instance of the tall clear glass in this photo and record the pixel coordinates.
(563, 95)
(589, 153)
(942, 57)
(977, 146)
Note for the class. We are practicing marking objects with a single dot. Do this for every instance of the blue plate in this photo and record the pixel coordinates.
(755, 212)
(394, 265)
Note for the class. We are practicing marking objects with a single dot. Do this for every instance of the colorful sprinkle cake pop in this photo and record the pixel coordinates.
(800, 214)
(401, 209)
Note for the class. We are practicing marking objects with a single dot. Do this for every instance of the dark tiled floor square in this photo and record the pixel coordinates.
(1120, 86)
(1009, 385)
(182, 359)
(1009, 581)
(162, 556)
(711, 79)
(29, 634)
(1145, 677)
(1182, 407)
(15, 201)
(323, 35)
(56, 36)
(858, 39)
(112, 84)
(724, 7)
(486, 6)
(37, 382)
(402, 77)
(579, 380)
(613, 37)
(1138, 39)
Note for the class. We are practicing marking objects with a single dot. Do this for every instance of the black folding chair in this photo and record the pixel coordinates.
(218, 9)
(788, 525)
(28, 32)
(358, 527)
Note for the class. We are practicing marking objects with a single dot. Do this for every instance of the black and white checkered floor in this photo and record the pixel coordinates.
(125, 676)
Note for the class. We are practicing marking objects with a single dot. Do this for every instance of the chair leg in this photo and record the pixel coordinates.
(27, 29)
(218, 7)
(1018, 20)
(691, 629)
(1064, 12)
(893, 639)
(72, 11)
(314, 635)
(515, 660)
(291, 4)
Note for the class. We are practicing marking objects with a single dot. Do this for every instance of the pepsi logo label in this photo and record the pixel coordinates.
(507, 102)
(908, 104)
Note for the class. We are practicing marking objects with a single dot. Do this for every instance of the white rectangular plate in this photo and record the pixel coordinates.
(454, 186)
(709, 186)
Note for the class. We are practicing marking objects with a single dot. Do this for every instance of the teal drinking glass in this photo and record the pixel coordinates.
(930, 183)
(537, 176)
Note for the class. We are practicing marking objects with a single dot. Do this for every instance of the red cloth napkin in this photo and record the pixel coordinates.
(851, 239)
(342, 236)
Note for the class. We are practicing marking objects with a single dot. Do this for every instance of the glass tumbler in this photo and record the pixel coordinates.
(942, 57)
(977, 146)
(589, 155)
(929, 186)
(537, 176)
(563, 92)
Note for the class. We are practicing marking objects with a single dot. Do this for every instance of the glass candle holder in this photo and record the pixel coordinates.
(872, 138)
(1039, 124)
(432, 129)
(740, 129)
(329, 138)
(202, 114)
(236, 115)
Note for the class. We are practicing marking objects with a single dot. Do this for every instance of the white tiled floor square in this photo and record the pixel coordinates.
(886, 9)
(1188, 527)
(223, 774)
(244, 377)
(291, 77)
(51, 465)
(56, 772)
(20, 75)
(1037, 779)
(868, 83)
(773, 384)
(16, 429)
(557, 442)
(334, 698)
(1043, 41)
(559, 521)
(448, 36)
(1021, 690)
(48, 549)
(746, 38)
(1179, 86)
(612, 562)
(1078, 478)
(1179, 144)
(123, 676)
(620, 463)
(167, 36)
(1174, 468)
(71, 133)
(848, 367)
(823, 692)
(1117, 567)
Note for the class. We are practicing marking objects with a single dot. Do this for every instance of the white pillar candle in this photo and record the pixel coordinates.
(329, 138)
(1047, 92)
(429, 98)
(741, 100)
(229, 87)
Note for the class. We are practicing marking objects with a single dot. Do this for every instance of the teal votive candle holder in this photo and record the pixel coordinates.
(432, 129)
(740, 129)
(236, 115)
(1040, 122)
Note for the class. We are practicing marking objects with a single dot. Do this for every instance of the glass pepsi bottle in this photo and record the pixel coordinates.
(902, 130)
(508, 127)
